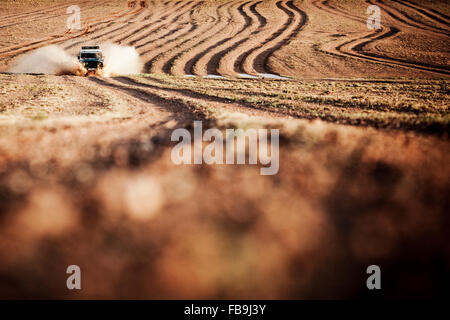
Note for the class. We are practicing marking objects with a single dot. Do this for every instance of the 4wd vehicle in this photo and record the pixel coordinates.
(91, 57)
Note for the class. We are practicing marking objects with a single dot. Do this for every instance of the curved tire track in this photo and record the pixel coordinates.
(248, 29)
(440, 19)
(406, 19)
(355, 47)
(37, 14)
(169, 16)
(176, 63)
(257, 60)
(13, 51)
(198, 64)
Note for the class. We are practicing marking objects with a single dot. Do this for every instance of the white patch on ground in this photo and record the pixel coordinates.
(247, 76)
(272, 76)
(213, 76)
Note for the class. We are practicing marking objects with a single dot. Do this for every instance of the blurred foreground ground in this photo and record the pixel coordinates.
(90, 182)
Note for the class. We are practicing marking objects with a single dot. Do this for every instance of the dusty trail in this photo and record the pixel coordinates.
(173, 108)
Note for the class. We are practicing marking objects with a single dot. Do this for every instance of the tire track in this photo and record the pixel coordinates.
(234, 58)
(33, 15)
(90, 21)
(203, 57)
(178, 62)
(127, 27)
(170, 28)
(110, 28)
(50, 15)
(162, 37)
(438, 16)
(157, 59)
(42, 17)
(188, 98)
(250, 28)
(151, 15)
(15, 50)
(324, 5)
(222, 63)
(257, 60)
(406, 19)
(355, 47)
(442, 20)
(189, 58)
(169, 16)
(164, 42)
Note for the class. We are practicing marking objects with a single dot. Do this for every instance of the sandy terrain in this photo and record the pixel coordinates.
(86, 175)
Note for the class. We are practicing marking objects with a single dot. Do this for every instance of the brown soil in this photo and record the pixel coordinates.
(86, 175)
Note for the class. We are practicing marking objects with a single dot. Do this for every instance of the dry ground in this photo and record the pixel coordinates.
(86, 175)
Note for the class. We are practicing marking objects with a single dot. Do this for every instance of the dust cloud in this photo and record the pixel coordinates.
(120, 60)
(49, 60)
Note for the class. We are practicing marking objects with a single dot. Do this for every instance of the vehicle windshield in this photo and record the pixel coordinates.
(91, 55)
